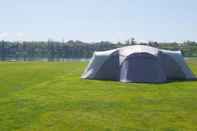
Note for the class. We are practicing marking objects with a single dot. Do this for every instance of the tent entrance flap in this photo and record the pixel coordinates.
(142, 67)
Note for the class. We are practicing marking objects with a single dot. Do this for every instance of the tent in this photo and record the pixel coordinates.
(138, 63)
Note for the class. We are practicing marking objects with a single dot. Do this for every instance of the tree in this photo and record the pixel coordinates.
(3, 50)
(133, 42)
(153, 44)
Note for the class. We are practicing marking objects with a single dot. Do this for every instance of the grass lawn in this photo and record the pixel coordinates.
(51, 96)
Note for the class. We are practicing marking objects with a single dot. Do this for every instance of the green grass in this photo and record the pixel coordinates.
(51, 96)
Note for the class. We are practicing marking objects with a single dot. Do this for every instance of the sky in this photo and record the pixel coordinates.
(98, 20)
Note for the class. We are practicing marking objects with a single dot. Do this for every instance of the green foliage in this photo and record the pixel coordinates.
(51, 96)
(52, 50)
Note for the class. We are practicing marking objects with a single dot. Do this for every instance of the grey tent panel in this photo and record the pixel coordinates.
(138, 63)
(110, 69)
(178, 58)
(142, 67)
(171, 68)
(96, 62)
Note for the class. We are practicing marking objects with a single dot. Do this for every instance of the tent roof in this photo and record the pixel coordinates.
(125, 51)
(128, 50)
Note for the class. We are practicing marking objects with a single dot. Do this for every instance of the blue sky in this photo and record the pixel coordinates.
(96, 20)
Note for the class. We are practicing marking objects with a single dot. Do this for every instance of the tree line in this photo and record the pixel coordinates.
(56, 51)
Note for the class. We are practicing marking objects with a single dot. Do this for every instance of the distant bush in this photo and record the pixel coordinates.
(52, 50)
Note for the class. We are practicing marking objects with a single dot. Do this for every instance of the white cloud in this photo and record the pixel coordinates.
(12, 36)
(20, 34)
(142, 41)
(3, 35)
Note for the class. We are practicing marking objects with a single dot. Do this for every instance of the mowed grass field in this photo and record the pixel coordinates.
(50, 96)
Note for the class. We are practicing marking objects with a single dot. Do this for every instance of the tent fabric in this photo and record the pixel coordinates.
(95, 63)
(111, 64)
(138, 63)
(135, 64)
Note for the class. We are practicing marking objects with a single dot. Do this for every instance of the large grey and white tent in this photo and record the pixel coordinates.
(138, 63)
